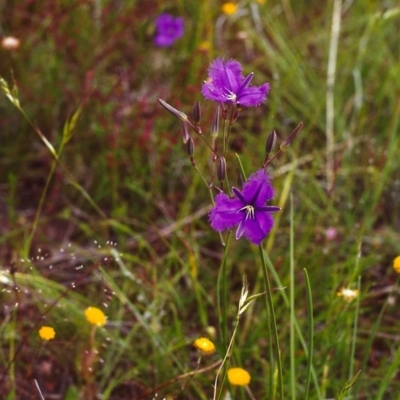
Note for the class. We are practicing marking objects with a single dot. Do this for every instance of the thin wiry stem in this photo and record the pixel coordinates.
(330, 97)
(270, 305)
(292, 309)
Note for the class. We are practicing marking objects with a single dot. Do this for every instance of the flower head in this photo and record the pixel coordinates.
(396, 264)
(247, 210)
(47, 333)
(168, 30)
(348, 294)
(95, 316)
(226, 84)
(204, 345)
(229, 8)
(238, 376)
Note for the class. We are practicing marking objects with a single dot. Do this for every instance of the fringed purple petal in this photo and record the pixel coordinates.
(233, 76)
(257, 229)
(225, 214)
(252, 96)
(210, 92)
(258, 189)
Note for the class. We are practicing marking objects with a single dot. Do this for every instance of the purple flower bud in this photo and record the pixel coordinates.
(271, 141)
(288, 141)
(196, 112)
(221, 169)
(190, 147)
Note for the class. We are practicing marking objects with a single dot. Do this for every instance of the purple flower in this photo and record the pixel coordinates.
(247, 210)
(228, 85)
(168, 30)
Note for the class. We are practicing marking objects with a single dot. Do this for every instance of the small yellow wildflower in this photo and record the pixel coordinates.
(396, 264)
(229, 8)
(47, 333)
(347, 294)
(238, 376)
(95, 316)
(204, 345)
(204, 46)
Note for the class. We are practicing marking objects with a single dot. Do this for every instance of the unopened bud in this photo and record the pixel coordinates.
(221, 169)
(185, 132)
(271, 141)
(287, 142)
(178, 114)
(190, 147)
(196, 113)
(215, 122)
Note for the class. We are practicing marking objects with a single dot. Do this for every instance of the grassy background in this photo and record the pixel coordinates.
(123, 224)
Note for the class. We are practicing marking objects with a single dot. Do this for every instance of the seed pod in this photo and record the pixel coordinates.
(196, 113)
(190, 147)
(221, 169)
(287, 142)
(271, 141)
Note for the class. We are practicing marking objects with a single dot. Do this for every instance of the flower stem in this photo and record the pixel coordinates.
(222, 298)
(310, 334)
(270, 306)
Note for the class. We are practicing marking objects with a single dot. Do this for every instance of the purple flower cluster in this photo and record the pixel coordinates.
(168, 30)
(226, 84)
(247, 210)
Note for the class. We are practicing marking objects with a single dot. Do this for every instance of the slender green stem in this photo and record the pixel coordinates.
(241, 166)
(354, 335)
(12, 355)
(273, 320)
(297, 326)
(222, 298)
(40, 206)
(310, 334)
(292, 309)
(225, 360)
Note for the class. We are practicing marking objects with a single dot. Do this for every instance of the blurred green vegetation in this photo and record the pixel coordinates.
(123, 222)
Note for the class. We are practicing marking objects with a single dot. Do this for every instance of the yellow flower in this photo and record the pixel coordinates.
(95, 316)
(396, 264)
(229, 8)
(204, 46)
(261, 1)
(347, 294)
(47, 333)
(204, 345)
(238, 376)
